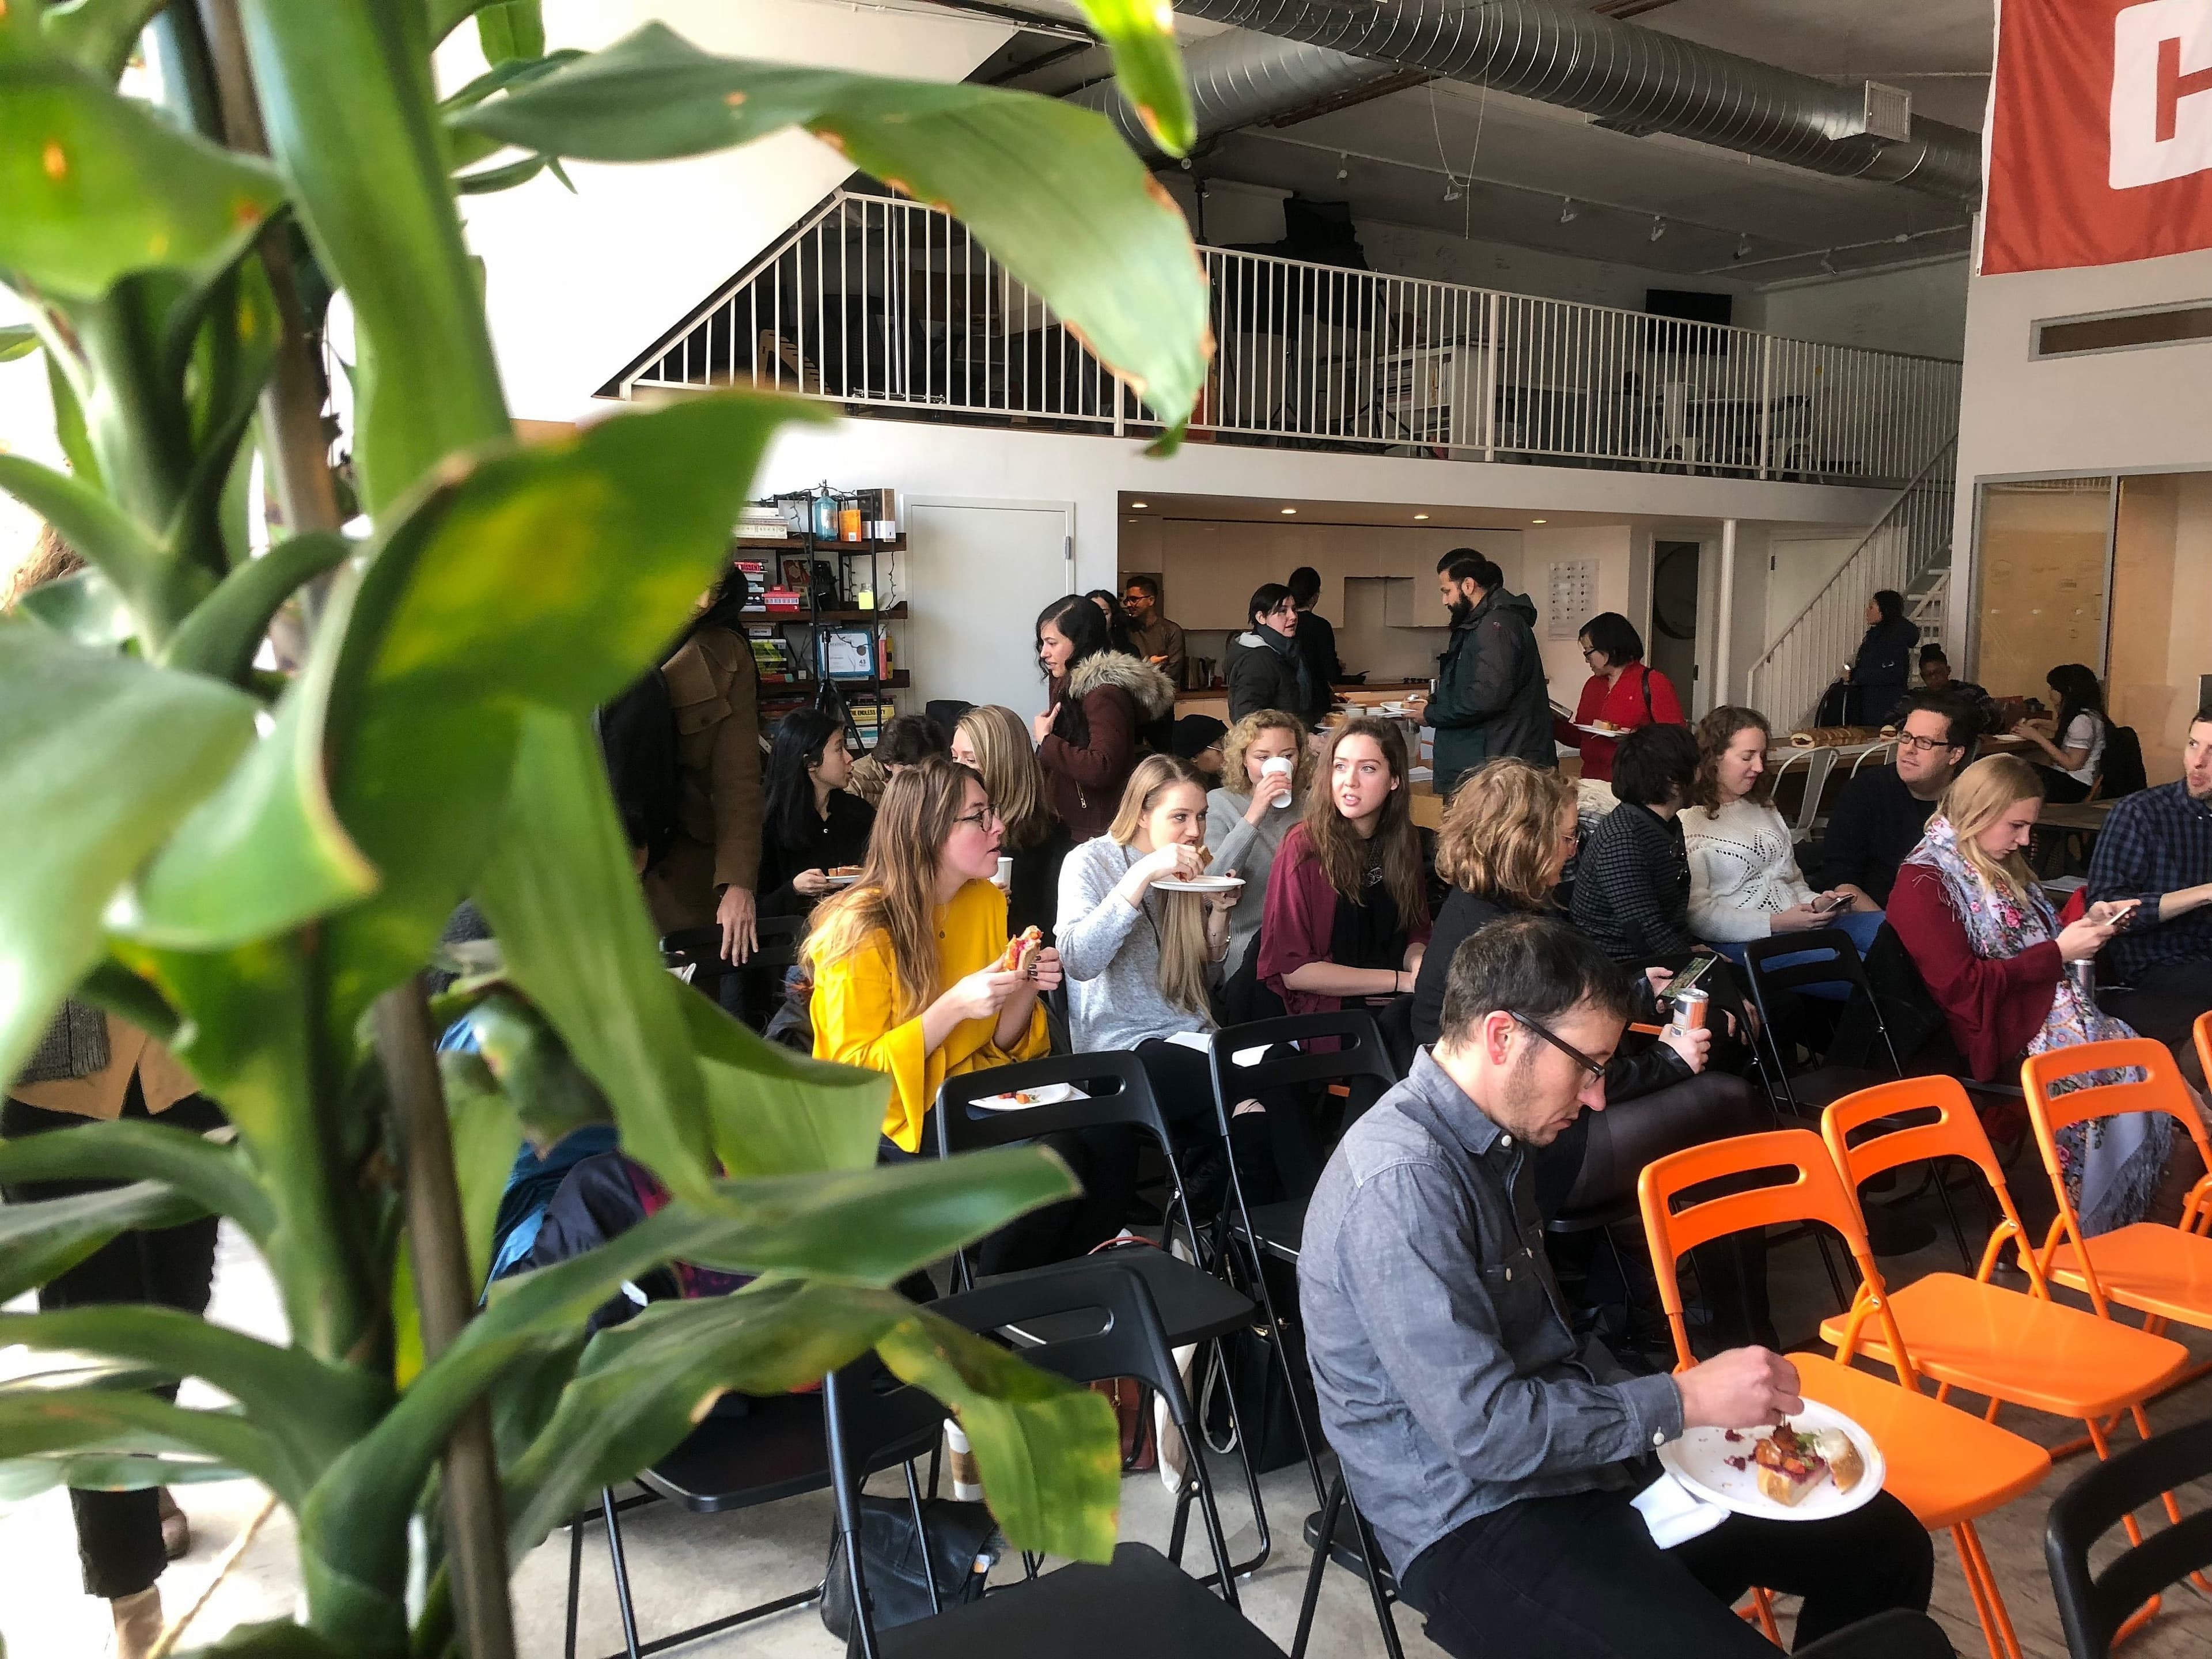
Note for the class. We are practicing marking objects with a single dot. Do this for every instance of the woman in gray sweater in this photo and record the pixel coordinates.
(1265, 767)
(1140, 963)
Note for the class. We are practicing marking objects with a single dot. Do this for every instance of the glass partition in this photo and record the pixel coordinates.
(2041, 580)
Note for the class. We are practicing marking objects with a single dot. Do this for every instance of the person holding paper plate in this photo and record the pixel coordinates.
(1267, 766)
(1142, 934)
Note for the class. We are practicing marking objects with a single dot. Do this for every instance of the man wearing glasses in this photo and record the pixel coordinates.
(1493, 1451)
(1151, 635)
(1882, 813)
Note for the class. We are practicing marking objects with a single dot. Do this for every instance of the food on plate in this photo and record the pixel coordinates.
(1021, 950)
(843, 871)
(1845, 1466)
(1608, 725)
(1789, 1466)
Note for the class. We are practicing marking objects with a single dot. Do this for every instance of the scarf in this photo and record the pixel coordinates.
(1288, 649)
(2110, 1165)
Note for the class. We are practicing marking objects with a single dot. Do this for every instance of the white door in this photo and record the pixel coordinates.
(977, 574)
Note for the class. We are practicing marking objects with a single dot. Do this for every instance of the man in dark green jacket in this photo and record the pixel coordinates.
(1491, 698)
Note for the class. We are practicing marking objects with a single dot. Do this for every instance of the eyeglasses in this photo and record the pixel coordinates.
(1596, 1071)
(981, 817)
(1920, 745)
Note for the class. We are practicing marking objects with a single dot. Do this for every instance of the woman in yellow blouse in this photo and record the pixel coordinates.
(905, 961)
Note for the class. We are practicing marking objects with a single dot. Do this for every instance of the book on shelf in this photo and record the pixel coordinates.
(771, 652)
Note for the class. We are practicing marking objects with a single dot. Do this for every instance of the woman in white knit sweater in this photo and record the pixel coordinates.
(1744, 880)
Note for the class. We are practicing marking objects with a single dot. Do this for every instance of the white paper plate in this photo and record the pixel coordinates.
(841, 881)
(1699, 1461)
(1049, 1094)
(1600, 731)
(1201, 884)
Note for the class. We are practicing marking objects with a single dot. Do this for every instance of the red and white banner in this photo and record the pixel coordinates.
(2100, 133)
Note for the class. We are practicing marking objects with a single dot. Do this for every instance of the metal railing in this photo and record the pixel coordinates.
(1910, 543)
(888, 305)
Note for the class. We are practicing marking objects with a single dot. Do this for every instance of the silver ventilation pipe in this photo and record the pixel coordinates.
(1630, 77)
(1238, 79)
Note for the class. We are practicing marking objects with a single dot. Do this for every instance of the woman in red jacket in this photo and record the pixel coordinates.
(1621, 692)
(1987, 942)
(1086, 737)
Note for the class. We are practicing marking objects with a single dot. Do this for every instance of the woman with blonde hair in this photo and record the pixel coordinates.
(995, 742)
(1266, 771)
(1990, 949)
(905, 962)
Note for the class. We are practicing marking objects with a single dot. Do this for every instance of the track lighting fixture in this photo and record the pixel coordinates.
(1658, 228)
(1568, 211)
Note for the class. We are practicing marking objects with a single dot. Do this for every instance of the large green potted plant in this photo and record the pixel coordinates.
(254, 865)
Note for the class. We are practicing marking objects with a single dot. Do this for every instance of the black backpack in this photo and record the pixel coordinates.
(636, 732)
(2123, 770)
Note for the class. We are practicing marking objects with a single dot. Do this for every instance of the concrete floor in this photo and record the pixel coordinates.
(689, 1568)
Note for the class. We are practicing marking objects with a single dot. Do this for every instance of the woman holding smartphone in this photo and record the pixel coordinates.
(1267, 767)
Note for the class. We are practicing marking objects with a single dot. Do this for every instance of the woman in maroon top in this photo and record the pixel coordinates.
(1086, 737)
(1347, 912)
(1620, 691)
(1989, 946)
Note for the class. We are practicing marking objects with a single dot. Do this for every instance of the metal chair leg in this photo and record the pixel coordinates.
(575, 1580)
(1312, 1598)
(622, 1572)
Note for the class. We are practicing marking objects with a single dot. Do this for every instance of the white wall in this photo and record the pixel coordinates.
(1409, 252)
(579, 285)
(2143, 410)
(1920, 309)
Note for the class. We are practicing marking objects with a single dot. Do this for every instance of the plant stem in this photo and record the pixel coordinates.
(438, 1242)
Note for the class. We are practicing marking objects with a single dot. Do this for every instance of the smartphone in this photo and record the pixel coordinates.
(1690, 975)
(2118, 913)
(1833, 902)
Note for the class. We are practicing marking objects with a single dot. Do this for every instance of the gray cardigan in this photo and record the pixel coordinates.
(1111, 954)
(1247, 850)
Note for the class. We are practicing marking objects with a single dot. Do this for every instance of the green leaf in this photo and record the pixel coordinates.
(47, 1421)
(108, 537)
(94, 186)
(50, 1236)
(1049, 1451)
(17, 340)
(491, 180)
(266, 853)
(510, 29)
(214, 1177)
(226, 628)
(69, 426)
(485, 1136)
(550, 575)
(84, 607)
(1048, 187)
(100, 34)
(777, 1113)
(273, 1639)
(562, 898)
(118, 752)
(309, 1410)
(526, 1060)
(1149, 66)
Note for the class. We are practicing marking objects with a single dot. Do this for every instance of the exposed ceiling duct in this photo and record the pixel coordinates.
(1239, 79)
(1636, 79)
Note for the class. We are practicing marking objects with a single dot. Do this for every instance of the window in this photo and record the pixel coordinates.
(2124, 331)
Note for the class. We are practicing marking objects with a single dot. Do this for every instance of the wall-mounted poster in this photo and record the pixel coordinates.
(1572, 600)
(2100, 133)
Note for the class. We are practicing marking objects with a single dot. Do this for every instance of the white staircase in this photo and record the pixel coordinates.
(1909, 550)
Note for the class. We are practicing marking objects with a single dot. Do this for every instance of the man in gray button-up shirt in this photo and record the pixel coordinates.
(1492, 1450)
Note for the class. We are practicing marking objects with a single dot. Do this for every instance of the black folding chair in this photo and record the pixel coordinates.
(1835, 961)
(1341, 1533)
(1079, 1611)
(1276, 1071)
(2093, 1606)
(700, 949)
(778, 1448)
(1196, 1306)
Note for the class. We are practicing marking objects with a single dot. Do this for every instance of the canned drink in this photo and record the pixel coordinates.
(1689, 1010)
(2084, 972)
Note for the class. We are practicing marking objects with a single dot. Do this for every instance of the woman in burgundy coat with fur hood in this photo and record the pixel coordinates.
(1099, 698)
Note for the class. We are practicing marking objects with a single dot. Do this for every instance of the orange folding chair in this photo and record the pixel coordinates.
(1947, 1465)
(2021, 1350)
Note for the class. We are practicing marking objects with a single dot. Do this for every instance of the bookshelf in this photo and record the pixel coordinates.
(814, 642)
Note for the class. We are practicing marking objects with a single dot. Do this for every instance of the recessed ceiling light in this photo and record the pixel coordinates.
(1420, 516)
(1139, 503)
(1538, 521)
(1288, 510)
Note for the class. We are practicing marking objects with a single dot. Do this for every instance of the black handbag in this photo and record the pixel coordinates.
(964, 1544)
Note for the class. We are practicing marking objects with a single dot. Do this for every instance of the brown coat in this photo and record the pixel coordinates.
(1083, 781)
(715, 690)
(161, 1078)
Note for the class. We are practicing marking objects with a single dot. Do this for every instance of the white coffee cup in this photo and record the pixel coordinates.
(1005, 878)
(1278, 766)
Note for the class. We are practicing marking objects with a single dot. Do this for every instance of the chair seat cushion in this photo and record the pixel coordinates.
(1140, 1603)
(1194, 1306)
(2019, 1348)
(2150, 1267)
(1945, 1465)
(777, 1450)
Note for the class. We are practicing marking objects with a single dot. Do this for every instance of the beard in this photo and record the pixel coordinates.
(1461, 609)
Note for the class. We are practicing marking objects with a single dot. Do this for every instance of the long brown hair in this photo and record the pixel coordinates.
(896, 892)
(1242, 735)
(1977, 799)
(1715, 732)
(1499, 830)
(1008, 760)
(1184, 957)
(1343, 855)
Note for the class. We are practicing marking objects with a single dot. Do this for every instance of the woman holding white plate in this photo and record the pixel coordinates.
(1142, 935)
(1267, 766)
